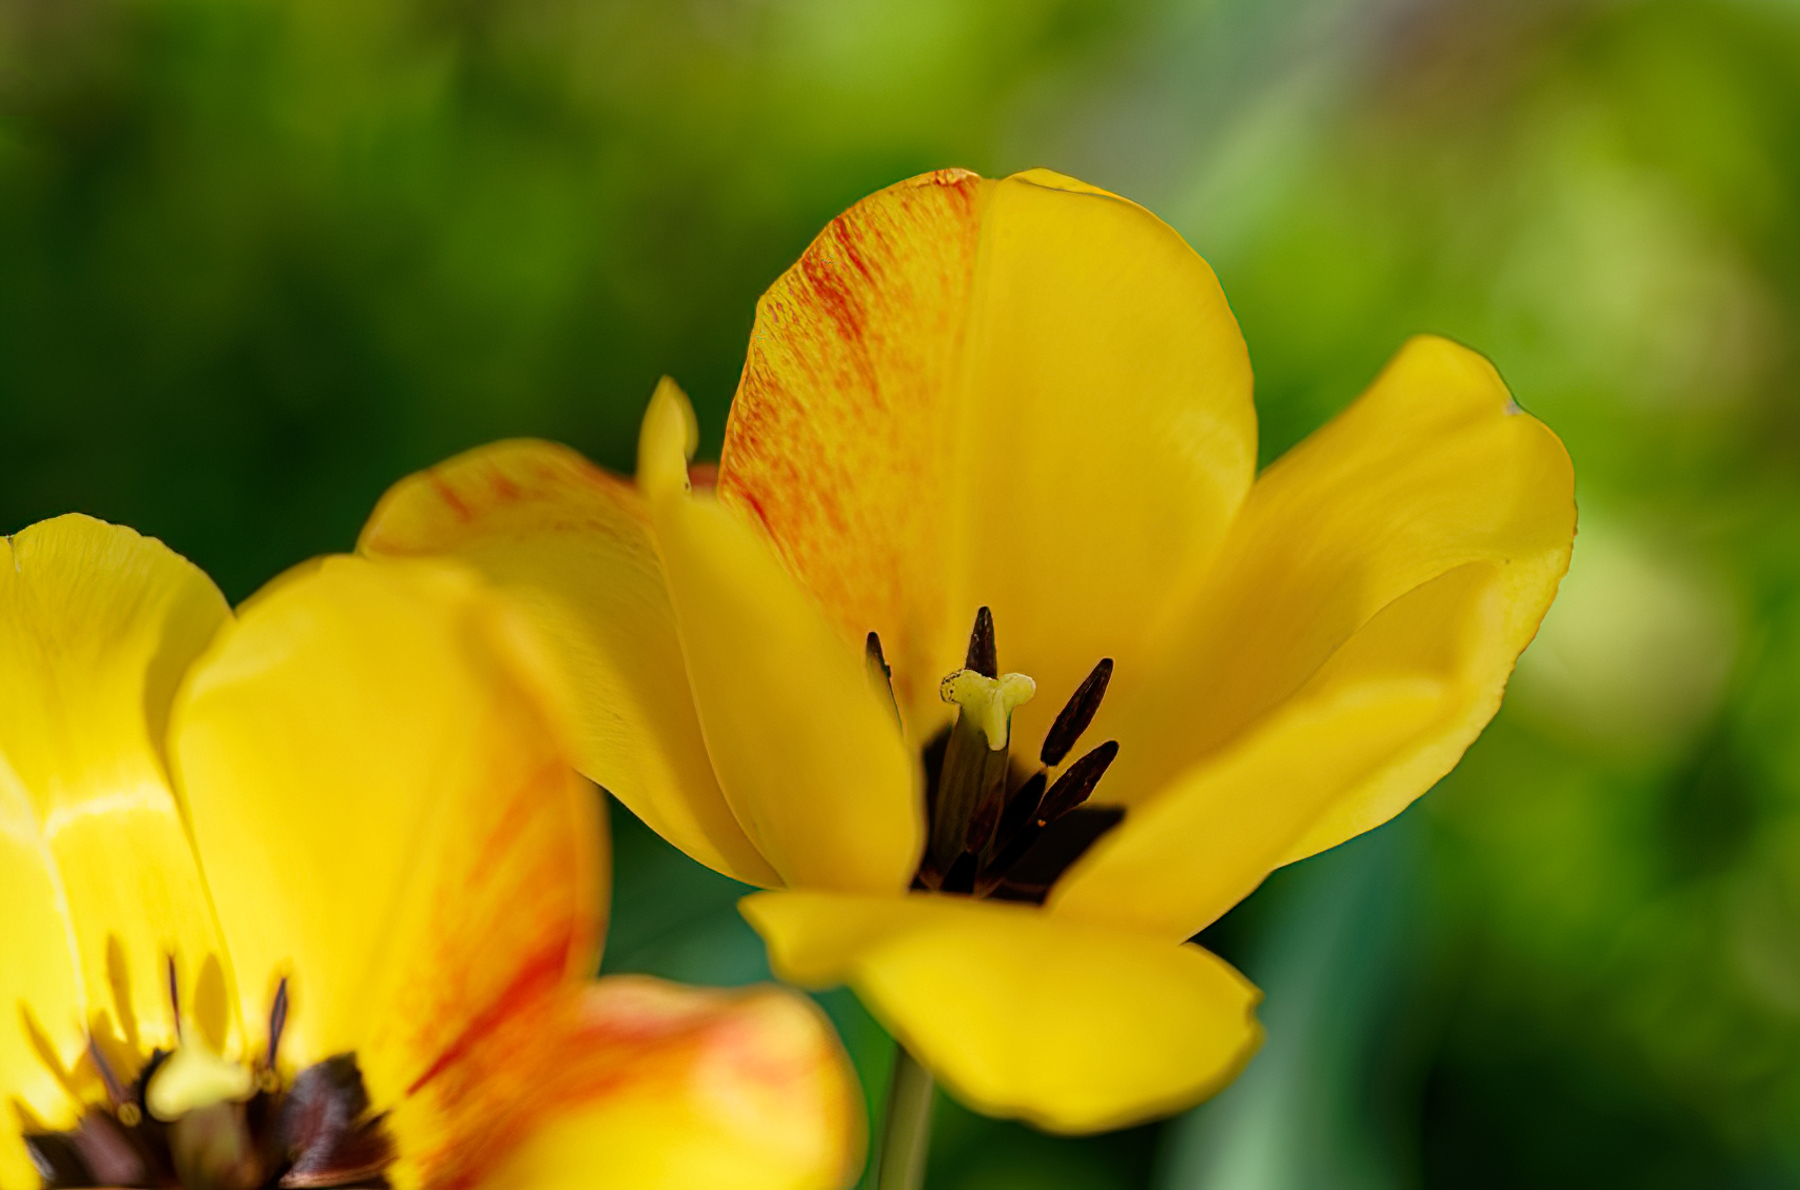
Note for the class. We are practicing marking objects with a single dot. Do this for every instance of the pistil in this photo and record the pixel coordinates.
(972, 787)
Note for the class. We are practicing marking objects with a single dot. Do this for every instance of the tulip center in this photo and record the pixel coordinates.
(995, 827)
(189, 1118)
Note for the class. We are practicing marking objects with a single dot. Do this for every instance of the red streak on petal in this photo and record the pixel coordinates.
(833, 294)
(505, 490)
(753, 499)
(848, 247)
(535, 980)
(449, 496)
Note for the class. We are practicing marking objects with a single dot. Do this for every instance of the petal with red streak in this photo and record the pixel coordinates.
(641, 1084)
(377, 775)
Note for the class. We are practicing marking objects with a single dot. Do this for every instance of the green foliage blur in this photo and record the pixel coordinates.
(259, 258)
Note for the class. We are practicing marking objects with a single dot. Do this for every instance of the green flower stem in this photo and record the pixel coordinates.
(906, 1133)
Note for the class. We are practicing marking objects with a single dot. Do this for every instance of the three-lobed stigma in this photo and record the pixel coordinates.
(191, 1118)
(987, 703)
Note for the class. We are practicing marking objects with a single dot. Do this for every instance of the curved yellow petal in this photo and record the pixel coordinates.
(379, 785)
(572, 544)
(645, 1085)
(1433, 469)
(42, 974)
(805, 746)
(99, 885)
(1393, 699)
(1018, 1013)
(1026, 393)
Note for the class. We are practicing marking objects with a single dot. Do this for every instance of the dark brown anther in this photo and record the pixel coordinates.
(872, 650)
(277, 1021)
(96, 1152)
(1077, 782)
(115, 1089)
(1021, 808)
(1056, 846)
(175, 997)
(983, 656)
(1076, 714)
(58, 1161)
(880, 672)
(323, 1131)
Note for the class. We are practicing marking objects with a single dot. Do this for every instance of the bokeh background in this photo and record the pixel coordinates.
(258, 258)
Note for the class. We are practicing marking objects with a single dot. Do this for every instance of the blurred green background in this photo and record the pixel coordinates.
(258, 258)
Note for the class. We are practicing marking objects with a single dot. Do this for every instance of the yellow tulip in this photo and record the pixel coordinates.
(1022, 404)
(308, 896)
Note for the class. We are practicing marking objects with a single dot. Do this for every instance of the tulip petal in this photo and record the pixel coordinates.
(805, 746)
(378, 780)
(647, 1085)
(1018, 1013)
(1378, 718)
(1433, 469)
(572, 544)
(1028, 394)
(97, 880)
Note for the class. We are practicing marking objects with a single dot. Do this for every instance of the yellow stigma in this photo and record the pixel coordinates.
(988, 703)
(192, 1078)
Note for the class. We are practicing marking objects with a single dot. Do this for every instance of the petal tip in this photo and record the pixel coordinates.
(668, 439)
(1050, 179)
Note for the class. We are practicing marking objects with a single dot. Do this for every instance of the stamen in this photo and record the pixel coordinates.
(1021, 807)
(1076, 714)
(57, 1160)
(94, 1153)
(325, 1124)
(1077, 782)
(277, 1021)
(1055, 847)
(983, 656)
(115, 1090)
(110, 1156)
(880, 672)
(175, 997)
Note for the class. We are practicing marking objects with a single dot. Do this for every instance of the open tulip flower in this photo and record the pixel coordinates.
(988, 495)
(308, 897)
